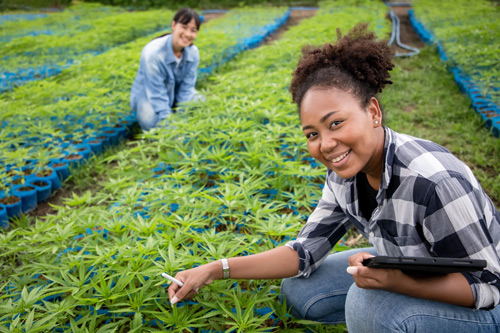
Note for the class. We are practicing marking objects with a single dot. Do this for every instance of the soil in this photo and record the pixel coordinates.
(11, 199)
(44, 173)
(407, 35)
(73, 157)
(295, 17)
(26, 188)
(210, 16)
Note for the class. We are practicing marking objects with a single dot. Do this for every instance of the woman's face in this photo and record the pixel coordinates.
(341, 134)
(184, 34)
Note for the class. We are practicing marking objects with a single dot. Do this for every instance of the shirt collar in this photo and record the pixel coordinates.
(186, 54)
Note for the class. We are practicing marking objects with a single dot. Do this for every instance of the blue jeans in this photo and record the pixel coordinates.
(330, 296)
(146, 115)
(148, 118)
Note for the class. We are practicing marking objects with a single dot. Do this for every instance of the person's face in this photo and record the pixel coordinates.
(340, 133)
(184, 34)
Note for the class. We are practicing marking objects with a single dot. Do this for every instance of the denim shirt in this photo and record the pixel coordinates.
(160, 80)
(429, 205)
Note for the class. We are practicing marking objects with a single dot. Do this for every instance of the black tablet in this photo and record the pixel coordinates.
(426, 265)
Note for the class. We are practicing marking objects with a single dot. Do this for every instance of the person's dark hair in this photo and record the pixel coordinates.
(185, 15)
(356, 63)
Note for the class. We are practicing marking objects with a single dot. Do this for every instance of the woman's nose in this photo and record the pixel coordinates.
(328, 143)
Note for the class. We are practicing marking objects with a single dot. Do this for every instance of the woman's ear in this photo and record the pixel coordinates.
(173, 25)
(374, 112)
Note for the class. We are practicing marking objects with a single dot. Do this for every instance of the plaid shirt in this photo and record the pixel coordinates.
(429, 204)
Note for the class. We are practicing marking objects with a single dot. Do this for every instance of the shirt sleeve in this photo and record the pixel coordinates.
(185, 92)
(456, 225)
(154, 83)
(324, 228)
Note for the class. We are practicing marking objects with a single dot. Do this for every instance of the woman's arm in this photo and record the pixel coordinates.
(450, 288)
(185, 91)
(277, 263)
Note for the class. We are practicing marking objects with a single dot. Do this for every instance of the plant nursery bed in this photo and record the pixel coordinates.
(295, 17)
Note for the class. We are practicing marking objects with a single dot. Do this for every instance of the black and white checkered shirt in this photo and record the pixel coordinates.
(429, 204)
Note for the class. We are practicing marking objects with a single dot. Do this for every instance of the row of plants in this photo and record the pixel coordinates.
(63, 130)
(59, 23)
(239, 31)
(234, 179)
(13, 17)
(30, 58)
(205, 4)
(466, 35)
(46, 5)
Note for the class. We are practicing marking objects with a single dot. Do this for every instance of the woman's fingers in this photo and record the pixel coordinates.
(357, 259)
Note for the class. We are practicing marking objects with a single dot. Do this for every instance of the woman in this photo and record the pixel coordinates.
(167, 71)
(408, 196)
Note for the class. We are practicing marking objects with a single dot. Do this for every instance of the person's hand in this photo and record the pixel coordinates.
(373, 278)
(193, 280)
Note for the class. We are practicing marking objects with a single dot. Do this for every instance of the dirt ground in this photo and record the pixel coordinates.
(295, 17)
(210, 16)
(407, 35)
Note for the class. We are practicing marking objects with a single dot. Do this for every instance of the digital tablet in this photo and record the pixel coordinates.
(426, 265)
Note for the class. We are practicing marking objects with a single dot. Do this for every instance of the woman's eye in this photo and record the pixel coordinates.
(311, 135)
(335, 123)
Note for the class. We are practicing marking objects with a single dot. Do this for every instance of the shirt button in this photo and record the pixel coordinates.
(372, 234)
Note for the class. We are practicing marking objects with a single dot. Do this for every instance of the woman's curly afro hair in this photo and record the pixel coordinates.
(356, 63)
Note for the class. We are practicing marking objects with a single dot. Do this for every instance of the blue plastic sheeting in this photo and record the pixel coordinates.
(5, 39)
(484, 105)
(34, 33)
(20, 17)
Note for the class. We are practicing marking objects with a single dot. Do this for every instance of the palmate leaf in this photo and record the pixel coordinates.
(181, 318)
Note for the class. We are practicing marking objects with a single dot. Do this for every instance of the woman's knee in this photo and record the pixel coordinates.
(323, 306)
(146, 116)
(290, 296)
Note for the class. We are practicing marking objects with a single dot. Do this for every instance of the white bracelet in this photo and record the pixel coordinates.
(225, 268)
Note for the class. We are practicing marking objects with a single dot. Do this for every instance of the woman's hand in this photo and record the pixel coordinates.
(374, 278)
(194, 279)
(450, 288)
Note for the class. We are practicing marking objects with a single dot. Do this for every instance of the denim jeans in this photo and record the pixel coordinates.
(149, 119)
(330, 296)
(146, 116)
